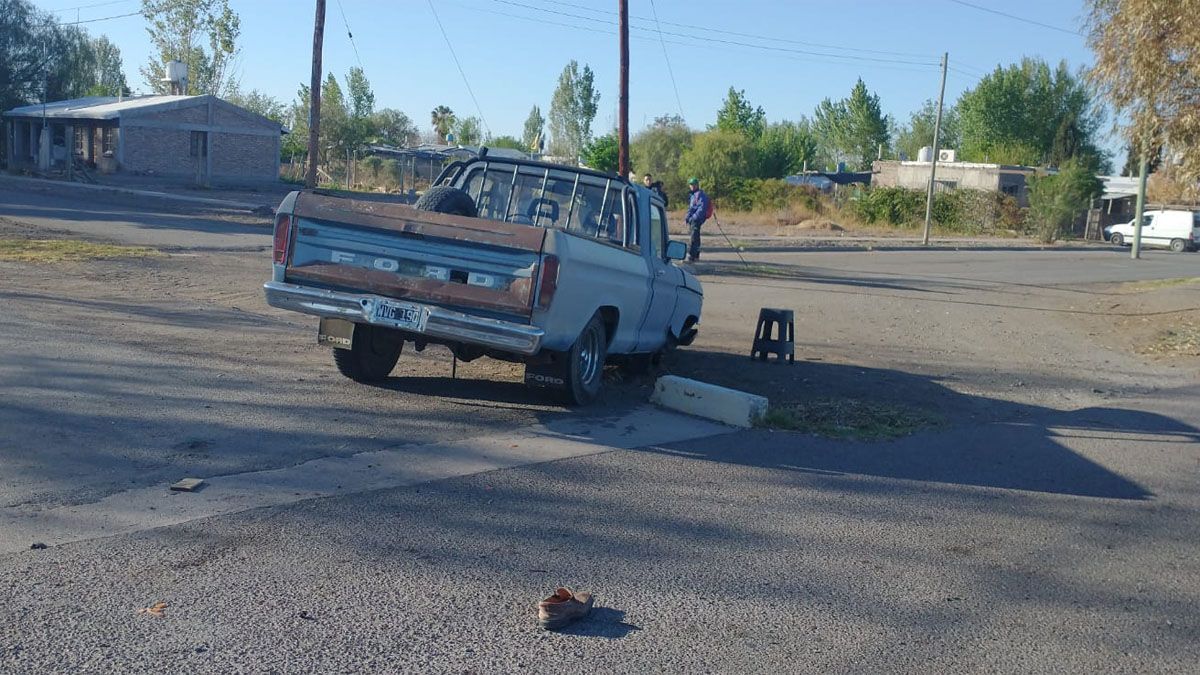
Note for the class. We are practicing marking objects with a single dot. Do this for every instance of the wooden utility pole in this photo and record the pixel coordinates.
(314, 97)
(623, 98)
(937, 132)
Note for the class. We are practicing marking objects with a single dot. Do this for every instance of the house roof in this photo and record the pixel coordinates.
(100, 107)
(1119, 187)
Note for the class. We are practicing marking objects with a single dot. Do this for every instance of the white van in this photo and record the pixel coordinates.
(1176, 230)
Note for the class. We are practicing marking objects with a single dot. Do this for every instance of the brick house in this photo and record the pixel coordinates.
(200, 137)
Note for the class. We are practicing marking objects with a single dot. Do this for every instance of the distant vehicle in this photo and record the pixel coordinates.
(811, 180)
(555, 267)
(1176, 230)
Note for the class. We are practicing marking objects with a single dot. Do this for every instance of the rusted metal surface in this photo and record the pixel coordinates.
(516, 299)
(407, 220)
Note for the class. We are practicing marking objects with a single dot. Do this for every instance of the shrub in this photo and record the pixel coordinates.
(889, 205)
(1055, 200)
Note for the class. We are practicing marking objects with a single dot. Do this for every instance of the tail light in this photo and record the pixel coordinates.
(549, 282)
(283, 237)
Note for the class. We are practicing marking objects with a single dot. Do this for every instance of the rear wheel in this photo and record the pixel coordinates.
(446, 199)
(372, 355)
(1117, 239)
(1178, 245)
(585, 363)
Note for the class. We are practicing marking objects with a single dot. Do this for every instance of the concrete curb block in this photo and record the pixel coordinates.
(728, 406)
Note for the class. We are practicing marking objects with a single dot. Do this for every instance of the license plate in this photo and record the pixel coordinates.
(399, 315)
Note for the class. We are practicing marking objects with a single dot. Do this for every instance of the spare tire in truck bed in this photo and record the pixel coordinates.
(446, 199)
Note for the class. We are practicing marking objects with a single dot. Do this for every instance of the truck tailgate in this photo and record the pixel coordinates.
(397, 251)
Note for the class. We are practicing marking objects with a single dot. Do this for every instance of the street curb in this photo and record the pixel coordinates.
(701, 399)
(136, 193)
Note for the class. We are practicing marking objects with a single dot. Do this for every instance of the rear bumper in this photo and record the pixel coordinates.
(440, 323)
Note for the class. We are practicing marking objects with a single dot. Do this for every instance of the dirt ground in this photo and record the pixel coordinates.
(863, 340)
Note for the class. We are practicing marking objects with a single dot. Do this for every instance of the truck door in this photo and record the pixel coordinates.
(665, 279)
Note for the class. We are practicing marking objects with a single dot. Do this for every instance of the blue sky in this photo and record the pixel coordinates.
(787, 55)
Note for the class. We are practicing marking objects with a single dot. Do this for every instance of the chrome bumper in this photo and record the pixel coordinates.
(439, 322)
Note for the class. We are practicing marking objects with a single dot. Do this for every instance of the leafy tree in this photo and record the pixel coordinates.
(1147, 67)
(334, 136)
(658, 150)
(295, 144)
(22, 56)
(738, 115)
(442, 119)
(1056, 200)
(510, 142)
(918, 133)
(40, 57)
(602, 154)
(468, 131)
(392, 127)
(261, 104)
(784, 148)
(109, 76)
(718, 158)
(73, 72)
(1029, 114)
(202, 34)
(535, 126)
(851, 129)
(360, 106)
(360, 99)
(572, 110)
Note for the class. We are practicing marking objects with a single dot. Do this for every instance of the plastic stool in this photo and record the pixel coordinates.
(780, 323)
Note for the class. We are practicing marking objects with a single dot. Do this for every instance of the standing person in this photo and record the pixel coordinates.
(657, 186)
(699, 208)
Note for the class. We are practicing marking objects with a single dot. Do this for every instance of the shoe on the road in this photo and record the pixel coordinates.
(562, 608)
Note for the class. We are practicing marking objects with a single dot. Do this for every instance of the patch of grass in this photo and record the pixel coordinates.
(66, 250)
(848, 419)
(1180, 340)
(1155, 284)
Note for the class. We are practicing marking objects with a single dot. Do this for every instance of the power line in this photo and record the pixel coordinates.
(103, 18)
(460, 68)
(746, 35)
(593, 30)
(349, 34)
(1015, 17)
(97, 4)
(729, 42)
(670, 71)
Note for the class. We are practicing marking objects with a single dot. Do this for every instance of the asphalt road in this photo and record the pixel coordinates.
(1049, 523)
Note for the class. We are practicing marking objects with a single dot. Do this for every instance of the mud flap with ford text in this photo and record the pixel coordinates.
(336, 333)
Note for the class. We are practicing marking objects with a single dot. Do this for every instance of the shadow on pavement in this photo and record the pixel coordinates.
(602, 622)
(980, 441)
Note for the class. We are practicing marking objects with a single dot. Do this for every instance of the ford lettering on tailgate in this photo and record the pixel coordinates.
(415, 269)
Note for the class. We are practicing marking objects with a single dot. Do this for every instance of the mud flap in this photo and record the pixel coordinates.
(548, 374)
(336, 333)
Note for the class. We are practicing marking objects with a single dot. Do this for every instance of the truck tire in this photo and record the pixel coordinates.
(1178, 246)
(372, 355)
(584, 369)
(1117, 239)
(446, 199)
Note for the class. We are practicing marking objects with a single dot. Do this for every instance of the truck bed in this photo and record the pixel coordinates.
(394, 250)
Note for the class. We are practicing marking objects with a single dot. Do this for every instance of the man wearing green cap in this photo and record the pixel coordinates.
(699, 208)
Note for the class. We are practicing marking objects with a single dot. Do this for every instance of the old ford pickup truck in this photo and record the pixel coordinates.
(559, 268)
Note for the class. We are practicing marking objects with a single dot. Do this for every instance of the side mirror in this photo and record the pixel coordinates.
(676, 250)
